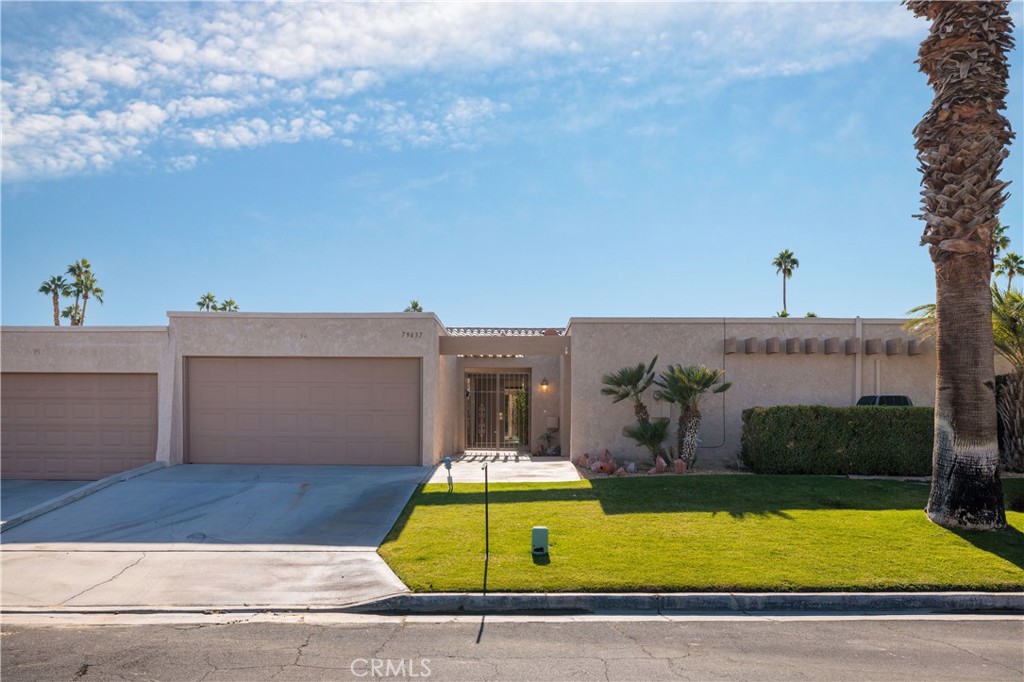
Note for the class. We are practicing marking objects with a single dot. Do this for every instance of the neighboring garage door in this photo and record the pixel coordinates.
(76, 426)
(304, 411)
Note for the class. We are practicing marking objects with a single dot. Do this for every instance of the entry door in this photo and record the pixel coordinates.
(498, 410)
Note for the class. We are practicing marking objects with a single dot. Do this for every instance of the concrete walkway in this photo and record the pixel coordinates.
(506, 467)
(213, 537)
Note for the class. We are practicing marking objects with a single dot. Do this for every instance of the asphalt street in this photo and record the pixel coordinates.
(651, 648)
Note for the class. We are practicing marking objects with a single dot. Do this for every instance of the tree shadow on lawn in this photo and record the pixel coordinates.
(737, 496)
(1007, 544)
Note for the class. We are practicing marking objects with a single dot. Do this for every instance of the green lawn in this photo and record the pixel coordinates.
(699, 533)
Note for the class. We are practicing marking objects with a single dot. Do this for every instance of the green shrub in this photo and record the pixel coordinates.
(816, 439)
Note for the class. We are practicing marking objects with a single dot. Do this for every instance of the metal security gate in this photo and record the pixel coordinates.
(498, 410)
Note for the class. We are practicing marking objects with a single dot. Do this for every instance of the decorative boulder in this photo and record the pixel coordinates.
(679, 466)
(607, 467)
(660, 466)
(605, 455)
(583, 460)
(631, 468)
(620, 472)
(596, 466)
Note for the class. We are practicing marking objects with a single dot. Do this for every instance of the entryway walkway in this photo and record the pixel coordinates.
(506, 467)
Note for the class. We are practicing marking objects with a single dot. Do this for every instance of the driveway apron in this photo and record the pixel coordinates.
(213, 536)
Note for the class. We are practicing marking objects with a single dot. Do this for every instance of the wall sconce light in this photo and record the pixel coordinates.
(544, 384)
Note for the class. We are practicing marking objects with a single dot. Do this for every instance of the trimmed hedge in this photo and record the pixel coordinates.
(817, 439)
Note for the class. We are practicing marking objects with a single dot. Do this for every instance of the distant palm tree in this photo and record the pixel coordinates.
(785, 263)
(1011, 265)
(1000, 240)
(83, 287)
(631, 382)
(77, 270)
(88, 287)
(71, 313)
(686, 387)
(413, 307)
(228, 305)
(207, 301)
(56, 287)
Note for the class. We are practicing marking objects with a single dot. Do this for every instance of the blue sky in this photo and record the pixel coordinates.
(504, 164)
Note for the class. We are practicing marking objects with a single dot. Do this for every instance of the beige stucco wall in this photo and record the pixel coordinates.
(448, 432)
(600, 346)
(381, 335)
(127, 350)
(543, 404)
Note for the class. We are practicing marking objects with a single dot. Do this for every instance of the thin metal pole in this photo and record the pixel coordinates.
(487, 527)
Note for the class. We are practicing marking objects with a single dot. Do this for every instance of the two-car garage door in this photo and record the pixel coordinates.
(363, 411)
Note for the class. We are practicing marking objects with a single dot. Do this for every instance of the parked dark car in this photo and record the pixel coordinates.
(885, 400)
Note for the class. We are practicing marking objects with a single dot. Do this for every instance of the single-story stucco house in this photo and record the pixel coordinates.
(402, 389)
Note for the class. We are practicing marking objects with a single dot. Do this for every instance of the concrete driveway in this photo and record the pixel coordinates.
(210, 536)
(18, 496)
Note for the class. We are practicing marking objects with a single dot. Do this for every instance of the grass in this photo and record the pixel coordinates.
(699, 533)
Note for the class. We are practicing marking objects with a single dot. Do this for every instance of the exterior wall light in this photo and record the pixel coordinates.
(544, 385)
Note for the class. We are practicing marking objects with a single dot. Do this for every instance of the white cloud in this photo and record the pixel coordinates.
(242, 75)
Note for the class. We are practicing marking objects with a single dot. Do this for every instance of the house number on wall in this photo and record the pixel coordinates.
(412, 335)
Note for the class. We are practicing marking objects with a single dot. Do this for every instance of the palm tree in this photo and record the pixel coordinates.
(228, 305)
(1000, 240)
(686, 387)
(631, 382)
(87, 286)
(77, 270)
(649, 434)
(413, 307)
(1008, 338)
(785, 263)
(71, 313)
(1011, 265)
(961, 144)
(56, 287)
(207, 301)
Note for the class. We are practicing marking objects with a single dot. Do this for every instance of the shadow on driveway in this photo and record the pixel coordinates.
(18, 496)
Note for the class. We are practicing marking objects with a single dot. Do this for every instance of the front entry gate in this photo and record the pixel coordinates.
(498, 410)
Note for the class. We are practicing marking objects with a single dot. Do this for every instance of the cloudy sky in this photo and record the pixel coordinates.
(510, 164)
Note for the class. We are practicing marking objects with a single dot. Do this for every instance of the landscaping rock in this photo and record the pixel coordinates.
(679, 466)
(660, 466)
(620, 472)
(607, 467)
(631, 468)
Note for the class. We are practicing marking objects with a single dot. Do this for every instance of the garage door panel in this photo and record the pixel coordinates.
(304, 410)
(77, 426)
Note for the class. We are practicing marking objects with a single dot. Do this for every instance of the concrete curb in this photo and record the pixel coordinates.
(77, 494)
(765, 602)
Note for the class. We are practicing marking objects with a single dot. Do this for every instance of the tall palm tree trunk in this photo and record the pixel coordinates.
(85, 300)
(966, 491)
(56, 309)
(784, 293)
(961, 144)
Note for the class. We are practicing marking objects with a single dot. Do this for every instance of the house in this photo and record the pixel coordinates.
(401, 388)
